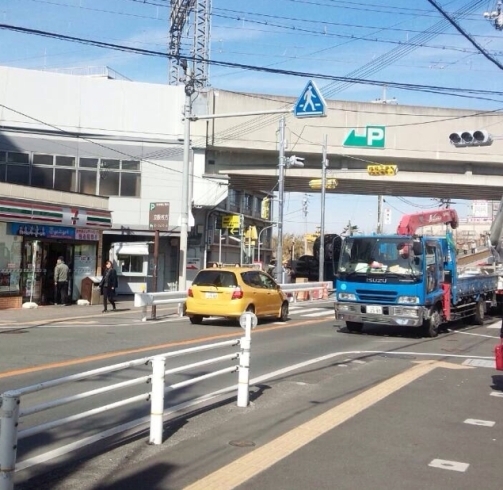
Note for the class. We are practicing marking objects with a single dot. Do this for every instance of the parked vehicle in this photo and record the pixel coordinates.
(409, 280)
(229, 291)
(306, 266)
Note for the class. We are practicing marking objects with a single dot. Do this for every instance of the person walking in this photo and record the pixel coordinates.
(108, 285)
(61, 282)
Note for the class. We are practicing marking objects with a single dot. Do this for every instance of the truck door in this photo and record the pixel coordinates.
(434, 267)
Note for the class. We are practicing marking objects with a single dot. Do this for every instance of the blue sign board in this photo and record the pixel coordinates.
(310, 103)
(42, 231)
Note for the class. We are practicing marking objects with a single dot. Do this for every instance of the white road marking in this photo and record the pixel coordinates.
(320, 313)
(306, 310)
(474, 334)
(480, 363)
(499, 394)
(482, 423)
(449, 465)
(494, 325)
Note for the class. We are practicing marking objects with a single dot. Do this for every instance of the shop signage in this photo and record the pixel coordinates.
(158, 216)
(87, 235)
(42, 231)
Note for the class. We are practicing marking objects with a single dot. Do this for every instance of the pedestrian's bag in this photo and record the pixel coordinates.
(498, 354)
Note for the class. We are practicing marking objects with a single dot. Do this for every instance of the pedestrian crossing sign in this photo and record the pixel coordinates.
(310, 103)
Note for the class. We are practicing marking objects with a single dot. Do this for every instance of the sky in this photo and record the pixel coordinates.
(384, 41)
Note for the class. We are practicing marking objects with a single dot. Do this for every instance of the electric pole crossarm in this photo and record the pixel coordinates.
(241, 114)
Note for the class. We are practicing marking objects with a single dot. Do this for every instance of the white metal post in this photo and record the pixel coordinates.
(281, 192)
(9, 418)
(220, 247)
(244, 366)
(157, 400)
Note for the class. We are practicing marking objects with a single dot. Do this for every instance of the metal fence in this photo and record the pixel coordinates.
(11, 411)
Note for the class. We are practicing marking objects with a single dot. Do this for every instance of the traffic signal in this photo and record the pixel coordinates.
(218, 222)
(329, 183)
(382, 170)
(479, 137)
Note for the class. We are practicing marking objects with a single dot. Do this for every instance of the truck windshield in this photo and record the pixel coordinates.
(381, 256)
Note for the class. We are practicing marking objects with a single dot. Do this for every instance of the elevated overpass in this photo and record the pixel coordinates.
(416, 139)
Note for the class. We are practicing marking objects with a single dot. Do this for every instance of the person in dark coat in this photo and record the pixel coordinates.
(108, 285)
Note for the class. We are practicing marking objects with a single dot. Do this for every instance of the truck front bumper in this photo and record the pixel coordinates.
(403, 315)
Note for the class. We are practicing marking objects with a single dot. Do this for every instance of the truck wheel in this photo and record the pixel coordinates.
(480, 311)
(354, 327)
(431, 325)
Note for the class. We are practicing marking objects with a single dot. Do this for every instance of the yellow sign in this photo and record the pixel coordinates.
(329, 184)
(230, 221)
(382, 170)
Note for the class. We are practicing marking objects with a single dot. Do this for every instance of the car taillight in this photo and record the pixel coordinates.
(189, 293)
(237, 294)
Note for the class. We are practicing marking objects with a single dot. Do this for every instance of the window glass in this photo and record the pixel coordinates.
(10, 260)
(18, 174)
(109, 183)
(252, 278)
(130, 263)
(88, 162)
(130, 165)
(64, 180)
(42, 177)
(65, 161)
(110, 164)
(3, 168)
(130, 184)
(14, 157)
(216, 278)
(87, 181)
(43, 159)
(3, 156)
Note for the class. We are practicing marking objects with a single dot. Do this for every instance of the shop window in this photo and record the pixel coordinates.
(43, 159)
(87, 181)
(130, 184)
(3, 169)
(10, 261)
(42, 177)
(14, 157)
(130, 263)
(65, 161)
(64, 179)
(88, 162)
(3, 156)
(18, 174)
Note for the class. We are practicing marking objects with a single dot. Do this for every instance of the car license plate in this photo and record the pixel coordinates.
(211, 295)
(374, 309)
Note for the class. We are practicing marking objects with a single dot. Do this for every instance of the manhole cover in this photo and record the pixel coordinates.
(242, 443)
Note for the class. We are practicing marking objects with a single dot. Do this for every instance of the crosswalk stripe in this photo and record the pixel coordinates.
(304, 310)
(321, 313)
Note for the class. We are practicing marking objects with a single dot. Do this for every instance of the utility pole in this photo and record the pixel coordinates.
(305, 202)
(324, 165)
(281, 192)
(184, 214)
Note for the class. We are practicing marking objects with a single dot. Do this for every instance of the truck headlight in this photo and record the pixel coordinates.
(408, 300)
(346, 296)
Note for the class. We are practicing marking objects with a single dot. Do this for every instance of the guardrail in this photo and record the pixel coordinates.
(10, 411)
(313, 291)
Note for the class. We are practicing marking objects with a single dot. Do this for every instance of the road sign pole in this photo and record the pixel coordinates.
(281, 192)
(220, 246)
(324, 164)
(153, 311)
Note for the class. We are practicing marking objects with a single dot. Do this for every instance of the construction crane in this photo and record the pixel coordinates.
(189, 25)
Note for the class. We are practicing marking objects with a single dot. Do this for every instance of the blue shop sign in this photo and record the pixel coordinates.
(42, 231)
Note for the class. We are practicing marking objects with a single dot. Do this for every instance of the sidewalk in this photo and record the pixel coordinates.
(53, 313)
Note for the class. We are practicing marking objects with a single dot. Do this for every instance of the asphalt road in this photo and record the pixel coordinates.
(385, 438)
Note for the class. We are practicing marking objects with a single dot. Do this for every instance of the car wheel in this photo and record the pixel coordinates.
(283, 315)
(196, 319)
(354, 327)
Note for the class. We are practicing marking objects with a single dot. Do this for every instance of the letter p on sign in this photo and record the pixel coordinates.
(375, 136)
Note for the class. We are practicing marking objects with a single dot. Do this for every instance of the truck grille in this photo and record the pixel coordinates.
(371, 296)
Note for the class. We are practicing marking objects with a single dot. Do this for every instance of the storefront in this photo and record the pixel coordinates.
(32, 237)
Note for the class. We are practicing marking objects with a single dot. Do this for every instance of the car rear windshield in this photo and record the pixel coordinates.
(216, 278)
